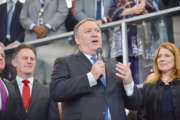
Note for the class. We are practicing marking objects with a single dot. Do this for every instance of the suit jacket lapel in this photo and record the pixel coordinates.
(21, 112)
(110, 70)
(84, 60)
(16, 10)
(34, 95)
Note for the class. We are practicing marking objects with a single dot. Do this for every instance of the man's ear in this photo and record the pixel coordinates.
(13, 62)
(76, 40)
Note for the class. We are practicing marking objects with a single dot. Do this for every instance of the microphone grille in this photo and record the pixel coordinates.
(99, 51)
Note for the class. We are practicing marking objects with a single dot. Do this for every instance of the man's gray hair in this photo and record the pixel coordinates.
(81, 22)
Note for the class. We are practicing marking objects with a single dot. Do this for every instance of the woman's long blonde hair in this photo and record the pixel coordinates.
(156, 75)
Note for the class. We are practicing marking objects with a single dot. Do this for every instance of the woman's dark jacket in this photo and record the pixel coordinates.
(150, 108)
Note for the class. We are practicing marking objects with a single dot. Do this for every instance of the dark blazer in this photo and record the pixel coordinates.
(9, 113)
(17, 31)
(80, 101)
(150, 109)
(41, 106)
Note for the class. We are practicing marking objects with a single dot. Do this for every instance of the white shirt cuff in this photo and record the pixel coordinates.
(129, 89)
(31, 26)
(91, 79)
(49, 26)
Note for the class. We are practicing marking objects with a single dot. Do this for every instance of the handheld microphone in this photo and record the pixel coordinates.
(99, 52)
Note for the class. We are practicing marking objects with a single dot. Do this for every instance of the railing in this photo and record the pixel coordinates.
(123, 23)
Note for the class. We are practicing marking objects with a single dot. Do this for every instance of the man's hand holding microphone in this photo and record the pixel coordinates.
(98, 69)
(123, 71)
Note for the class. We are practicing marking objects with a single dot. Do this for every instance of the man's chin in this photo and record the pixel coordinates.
(29, 73)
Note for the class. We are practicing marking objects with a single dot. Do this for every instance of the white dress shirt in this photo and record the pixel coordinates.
(21, 84)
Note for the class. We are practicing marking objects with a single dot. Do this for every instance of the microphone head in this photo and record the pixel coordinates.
(99, 51)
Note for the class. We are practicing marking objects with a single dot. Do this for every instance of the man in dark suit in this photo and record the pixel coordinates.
(33, 101)
(14, 34)
(92, 90)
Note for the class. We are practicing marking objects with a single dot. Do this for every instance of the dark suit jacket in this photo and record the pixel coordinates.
(80, 101)
(41, 106)
(17, 31)
(9, 113)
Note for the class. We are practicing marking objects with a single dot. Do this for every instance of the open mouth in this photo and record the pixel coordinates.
(95, 41)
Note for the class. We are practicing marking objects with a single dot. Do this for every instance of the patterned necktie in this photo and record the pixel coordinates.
(94, 59)
(10, 14)
(26, 94)
(98, 10)
(4, 96)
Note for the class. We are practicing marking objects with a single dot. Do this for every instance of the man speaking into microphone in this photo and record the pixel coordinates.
(90, 87)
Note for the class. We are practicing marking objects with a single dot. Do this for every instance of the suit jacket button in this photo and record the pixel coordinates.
(104, 113)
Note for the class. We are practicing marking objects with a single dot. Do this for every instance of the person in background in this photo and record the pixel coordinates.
(166, 4)
(9, 72)
(91, 89)
(11, 31)
(7, 93)
(42, 18)
(161, 96)
(120, 10)
(98, 10)
(33, 100)
(71, 21)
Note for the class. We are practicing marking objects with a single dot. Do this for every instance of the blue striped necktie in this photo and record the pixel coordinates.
(94, 59)
(10, 14)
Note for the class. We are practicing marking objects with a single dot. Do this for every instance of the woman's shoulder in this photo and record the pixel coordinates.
(177, 81)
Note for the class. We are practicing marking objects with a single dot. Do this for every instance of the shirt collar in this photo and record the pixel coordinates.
(20, 79)
(173, 82)
(88, 56)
